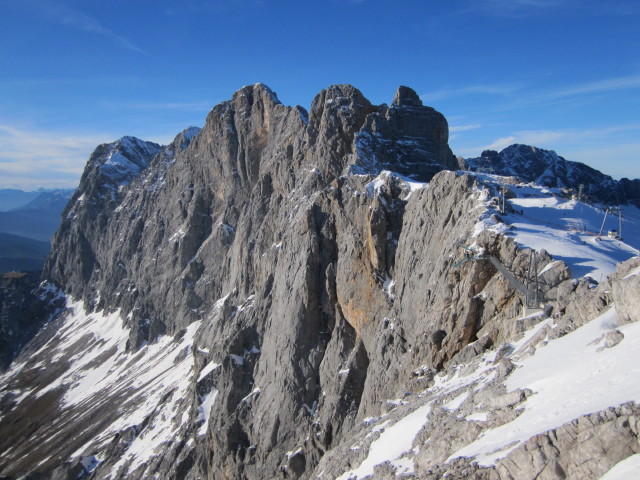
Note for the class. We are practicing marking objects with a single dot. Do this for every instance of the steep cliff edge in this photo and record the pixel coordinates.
(243, 300)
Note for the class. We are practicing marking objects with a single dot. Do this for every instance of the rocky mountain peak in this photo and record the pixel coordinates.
(257, 94)
(547, 168)
(184, 138)
(406, 96)
(115, 164)
(340, 109)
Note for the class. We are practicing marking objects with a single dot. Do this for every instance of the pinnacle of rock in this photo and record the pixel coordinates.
(406, 96)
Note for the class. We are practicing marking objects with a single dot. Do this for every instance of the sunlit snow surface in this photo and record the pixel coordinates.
(559, 374)
(567, 229)
(393, 442)
(627, 469)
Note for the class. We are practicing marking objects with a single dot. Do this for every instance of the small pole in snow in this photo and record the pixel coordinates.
(620, 222)
(606, 211)
(503, 209)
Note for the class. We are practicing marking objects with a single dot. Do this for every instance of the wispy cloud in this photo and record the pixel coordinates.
(553, 138)
(464, 128)
(491, 89)
(621, 160)
(455, 130)
(513, 8)
(65, 15)
(182, 106)
(31, 158)
(222, 6)
(520, 97)
(602, 86)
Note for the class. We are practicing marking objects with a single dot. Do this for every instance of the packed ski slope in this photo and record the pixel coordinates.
(541, 218)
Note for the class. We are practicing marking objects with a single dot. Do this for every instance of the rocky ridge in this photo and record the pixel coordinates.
(296, 286)
(547, 168)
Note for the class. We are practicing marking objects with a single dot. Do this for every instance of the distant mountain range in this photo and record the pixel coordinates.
(28, 220)
(11, 198)
(21, 253)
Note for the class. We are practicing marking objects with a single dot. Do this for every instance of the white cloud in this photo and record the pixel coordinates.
(203, 106)
(464, 128)
(32, 158)
(515, 7)
(549, 137)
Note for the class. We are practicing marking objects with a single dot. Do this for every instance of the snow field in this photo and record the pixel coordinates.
(151, 385)
(558, 373)
(567, 229)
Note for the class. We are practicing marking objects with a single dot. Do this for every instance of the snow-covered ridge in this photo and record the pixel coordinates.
(126, 158)
(547, 168)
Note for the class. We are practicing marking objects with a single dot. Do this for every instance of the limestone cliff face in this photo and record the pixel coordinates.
(207, 214)
(321, 281)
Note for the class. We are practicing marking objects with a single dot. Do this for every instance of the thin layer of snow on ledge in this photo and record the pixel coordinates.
(391, 445)
(374, 186)
(208, 368)
(410, 186)
(559, 374)
(204, 410)
(633, 273)
(627, 469)
(477, 417)
(456, 402)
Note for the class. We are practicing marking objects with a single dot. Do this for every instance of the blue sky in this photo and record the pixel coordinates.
(557, 74)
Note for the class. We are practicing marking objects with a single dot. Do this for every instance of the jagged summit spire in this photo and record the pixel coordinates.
(406, 96)
(256, 90)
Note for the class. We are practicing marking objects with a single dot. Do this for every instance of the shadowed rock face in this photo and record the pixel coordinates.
(257, 226)
(20, 315)
(225, 196)
(321, 281)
